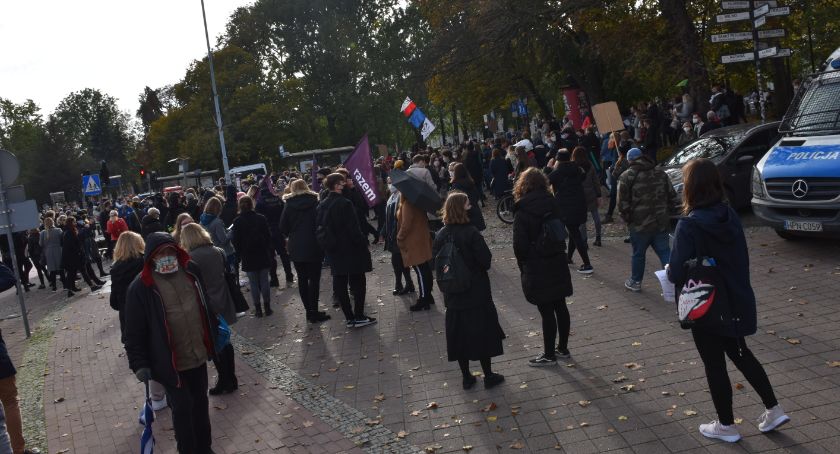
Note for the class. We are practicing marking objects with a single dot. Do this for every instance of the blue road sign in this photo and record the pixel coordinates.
(91, 185)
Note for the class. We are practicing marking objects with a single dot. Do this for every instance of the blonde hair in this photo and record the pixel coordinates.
(194, 236)
(177, 232)
(297, 187)
(129, 245)
(455, 209)
(213, 206)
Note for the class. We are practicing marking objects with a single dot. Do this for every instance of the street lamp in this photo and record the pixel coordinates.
(215, 95)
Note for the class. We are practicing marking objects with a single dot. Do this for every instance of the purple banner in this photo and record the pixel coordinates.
(360, 167)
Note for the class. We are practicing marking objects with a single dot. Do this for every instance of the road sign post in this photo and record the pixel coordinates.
(8, 174)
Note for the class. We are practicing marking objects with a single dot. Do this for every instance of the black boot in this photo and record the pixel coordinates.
(422, 305)
(258, 311)
(398, 289)
(268, 310)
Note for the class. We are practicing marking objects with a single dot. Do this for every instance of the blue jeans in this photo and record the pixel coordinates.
(640, 242)
(259, 287)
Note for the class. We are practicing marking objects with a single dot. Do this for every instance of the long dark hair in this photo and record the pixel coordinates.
(579, 156)
(70, 225)
(461, 176)
(702, 185)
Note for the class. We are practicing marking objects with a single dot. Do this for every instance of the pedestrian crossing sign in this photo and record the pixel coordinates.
(90, 185)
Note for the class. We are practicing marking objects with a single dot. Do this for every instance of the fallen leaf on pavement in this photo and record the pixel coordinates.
(349, 386)
(833, 363)
(308, 424)
(793, 341)
(415, 413)
(584, 403)
(584, 424)
(523, 386)
(633, 366)
(379, 397)
(739, 420)
(619, 379)
(431, 406)
(402, 434)
(622, 418)
(467, 448)
(739, 386)
(628, 387)
(666, 393)
(602, 307)
(690, 412)
(492, 418)
(490, 407)
(517, 445)
(636, 344)
(432, 448)
(59, 400)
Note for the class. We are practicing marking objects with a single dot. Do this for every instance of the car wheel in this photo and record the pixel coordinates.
(786, 235)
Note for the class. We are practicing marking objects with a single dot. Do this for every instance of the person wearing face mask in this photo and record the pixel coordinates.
(698, 123)
(687, 135)
(170, 335)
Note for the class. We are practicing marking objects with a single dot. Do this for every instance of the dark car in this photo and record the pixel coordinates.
(735, 149)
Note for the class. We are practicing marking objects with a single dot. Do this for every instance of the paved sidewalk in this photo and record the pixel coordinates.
(634, 384)
(92, 400)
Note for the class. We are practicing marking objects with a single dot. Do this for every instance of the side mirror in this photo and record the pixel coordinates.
(745, 160)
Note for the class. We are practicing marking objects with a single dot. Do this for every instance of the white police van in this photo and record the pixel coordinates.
(796, 186)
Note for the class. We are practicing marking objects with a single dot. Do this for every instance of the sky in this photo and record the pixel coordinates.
(51, 48)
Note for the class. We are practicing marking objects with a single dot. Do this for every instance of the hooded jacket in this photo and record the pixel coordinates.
(298, 225)
(544, 279)
(148, 339)
(646, 198)
(150, 225)
(717, 232)
(351, 254)
(252, 241)
(567, 181)
(123, 273)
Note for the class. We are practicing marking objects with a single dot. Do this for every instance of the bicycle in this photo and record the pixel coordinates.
(504, 207)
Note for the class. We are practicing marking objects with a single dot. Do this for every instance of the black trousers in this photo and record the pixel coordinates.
(424, 279)
(401, 272)
(577, 241)
(59, 274)
(713, 350)
(70, 276)
(357, 285)
(190, 411)
(278, 244)
(309, 284)
(42, 271)
(226, 366)
(555, 320)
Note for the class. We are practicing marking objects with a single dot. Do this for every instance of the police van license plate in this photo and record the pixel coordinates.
(803, 226)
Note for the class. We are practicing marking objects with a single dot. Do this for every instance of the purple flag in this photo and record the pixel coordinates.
(360, 167)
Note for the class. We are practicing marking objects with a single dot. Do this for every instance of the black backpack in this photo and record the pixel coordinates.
(551, 239)
(323, 233)
(451, 272)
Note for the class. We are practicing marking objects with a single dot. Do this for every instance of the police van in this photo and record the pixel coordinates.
(796, 185)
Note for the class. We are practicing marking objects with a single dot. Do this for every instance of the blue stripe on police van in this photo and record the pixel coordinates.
(808, 161)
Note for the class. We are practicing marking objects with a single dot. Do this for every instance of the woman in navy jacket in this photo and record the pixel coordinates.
(712, 227)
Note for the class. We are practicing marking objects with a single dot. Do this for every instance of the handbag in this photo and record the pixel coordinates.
(704, 299)
(239, 301)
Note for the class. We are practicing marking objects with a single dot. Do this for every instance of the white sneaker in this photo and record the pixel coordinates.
(772, 418)
(158, 405)
(717, 430)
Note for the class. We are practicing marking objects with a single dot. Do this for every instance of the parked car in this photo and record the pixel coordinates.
(735, 150)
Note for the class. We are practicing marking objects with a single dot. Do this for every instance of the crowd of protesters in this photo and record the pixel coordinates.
(176, 259)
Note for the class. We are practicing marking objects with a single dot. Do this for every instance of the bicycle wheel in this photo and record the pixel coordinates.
(504, 209)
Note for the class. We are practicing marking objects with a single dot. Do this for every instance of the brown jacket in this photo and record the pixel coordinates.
(413, 236)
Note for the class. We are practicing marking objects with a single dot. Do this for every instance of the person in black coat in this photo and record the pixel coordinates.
(175, 209)
(271, 206)
(545, 278)
(297, 227)
(500, 168)
(128, 263)
(348, 251)
(463, 182)
(229, 206)
(72, 258)
(567, 181)
(352, 193)
(170, 335)
(473, 331)
(712, 229)
(472, 162)
(251, 236)
(151, 223)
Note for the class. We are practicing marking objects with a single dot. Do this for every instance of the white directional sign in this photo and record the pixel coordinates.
(769, 52)
(735, 5)
(772, 33)
(760, 21)
(761, 10)
(737, 58)
(733, 17)
(728, 37)
(783, 52)
(781, 11)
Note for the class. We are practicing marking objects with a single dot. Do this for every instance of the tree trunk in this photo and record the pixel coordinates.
(456, 134)
(531, 89)
(691, 61)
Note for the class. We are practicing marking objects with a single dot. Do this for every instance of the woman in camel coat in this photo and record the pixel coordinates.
(415, 243)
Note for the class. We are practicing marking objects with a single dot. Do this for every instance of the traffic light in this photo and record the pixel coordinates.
(142, 172)
(104, 175)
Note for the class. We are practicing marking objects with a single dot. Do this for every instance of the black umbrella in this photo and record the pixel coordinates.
(416, 191)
